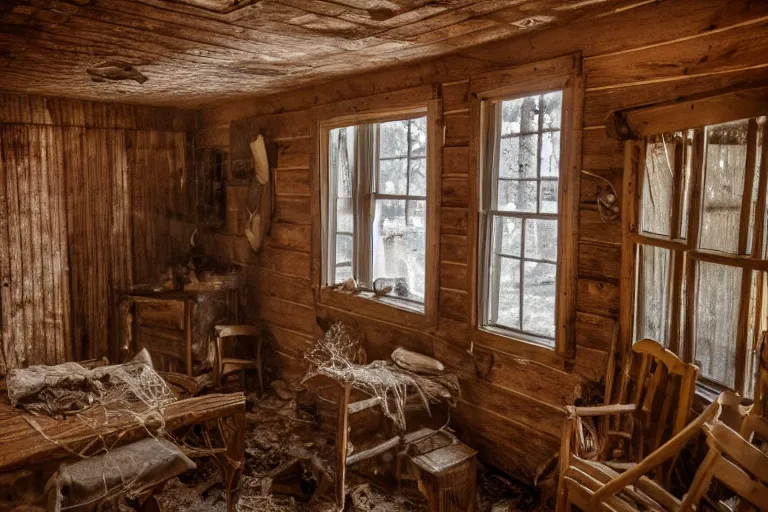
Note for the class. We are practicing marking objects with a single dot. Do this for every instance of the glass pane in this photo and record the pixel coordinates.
(550, 154)
(342, 158)
(506, 235)
(726, 154)
(548, 196)
(654, 265)
(717, 312)
(520, 115)
(343, 272)
(419, 136)
(399, 246)
(553, 107)
(418, 178)
(393, 176)
(541, 239)
(658, 186)
(505, 276)
(343, 249)
(393, 139)
(518, 156)
(539, 298)
(344, 215)
(417, 213)
(517, 196)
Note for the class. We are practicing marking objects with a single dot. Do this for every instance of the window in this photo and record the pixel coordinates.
(699, 242)
(376, 229)
(519, 216)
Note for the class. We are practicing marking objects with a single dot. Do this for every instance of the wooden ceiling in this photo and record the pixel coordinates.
(192, 52)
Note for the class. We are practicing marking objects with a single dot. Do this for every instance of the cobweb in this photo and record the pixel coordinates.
(334, 356)
(119, 396)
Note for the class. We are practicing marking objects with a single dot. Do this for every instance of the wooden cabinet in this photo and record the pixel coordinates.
(175, 327)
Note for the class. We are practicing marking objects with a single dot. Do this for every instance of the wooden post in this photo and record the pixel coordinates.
(341, 443)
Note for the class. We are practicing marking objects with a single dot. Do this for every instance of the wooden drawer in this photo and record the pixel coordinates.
(166, 314)
(164, 346)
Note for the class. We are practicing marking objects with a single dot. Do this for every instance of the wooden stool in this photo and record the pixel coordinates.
(447, 476)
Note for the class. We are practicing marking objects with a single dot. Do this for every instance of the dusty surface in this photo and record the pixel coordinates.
(278, 433)
(189, 52)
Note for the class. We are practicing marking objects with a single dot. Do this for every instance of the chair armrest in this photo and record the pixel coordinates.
(754, 425)
(603, 410)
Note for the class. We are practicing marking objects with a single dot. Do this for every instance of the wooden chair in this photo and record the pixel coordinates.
(731, 459)
(226, 366)
(654, 398)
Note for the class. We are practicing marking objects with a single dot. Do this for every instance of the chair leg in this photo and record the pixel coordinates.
(258, 371)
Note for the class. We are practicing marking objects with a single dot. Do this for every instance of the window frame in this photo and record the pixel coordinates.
(563, 74)
(634, 126)
(383, 308)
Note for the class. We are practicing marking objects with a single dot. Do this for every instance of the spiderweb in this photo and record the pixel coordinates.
(333, 356)
(115, 397)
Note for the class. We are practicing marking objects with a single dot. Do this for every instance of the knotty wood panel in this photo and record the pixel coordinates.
(523, 437)
(85, 211)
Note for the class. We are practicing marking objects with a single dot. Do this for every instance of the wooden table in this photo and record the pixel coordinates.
(42, 443)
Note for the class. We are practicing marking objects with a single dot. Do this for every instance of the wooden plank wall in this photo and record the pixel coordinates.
(656, 51)
(89, 196)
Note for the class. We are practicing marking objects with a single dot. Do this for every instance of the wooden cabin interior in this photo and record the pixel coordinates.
(443, 255)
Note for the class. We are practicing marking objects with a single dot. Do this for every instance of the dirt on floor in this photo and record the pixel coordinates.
(289, 467)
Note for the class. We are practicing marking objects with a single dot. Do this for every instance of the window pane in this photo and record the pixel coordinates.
(541, 239)
(342, 158)
(344, 215)
(548, 196)
(658, 185)
(343, 272)
(343, 249)
(505, 279)
(550, 154)
(654, 265)
(393, 139)
(717, 311)
(539, 299)
(419, 136)
(399, 246)
(518, 156)
(506, 235)
(341, 167)
(726, 154)
(553, 106)
(517, 196)
(520, 115)
(393, 176)
(418, 178)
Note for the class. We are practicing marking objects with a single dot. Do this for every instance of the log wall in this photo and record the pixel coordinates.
(91, 202)
(656, 51)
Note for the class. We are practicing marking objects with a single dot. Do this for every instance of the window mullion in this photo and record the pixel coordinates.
(749, 183)
(366, 166)
(694, 220)
(760, 203)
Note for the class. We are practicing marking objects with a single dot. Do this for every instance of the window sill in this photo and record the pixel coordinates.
(388, 309)
(518, 346)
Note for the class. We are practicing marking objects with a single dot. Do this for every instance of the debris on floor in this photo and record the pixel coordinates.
(289, 467)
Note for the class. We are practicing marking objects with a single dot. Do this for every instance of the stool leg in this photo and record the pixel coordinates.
(258, 368)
